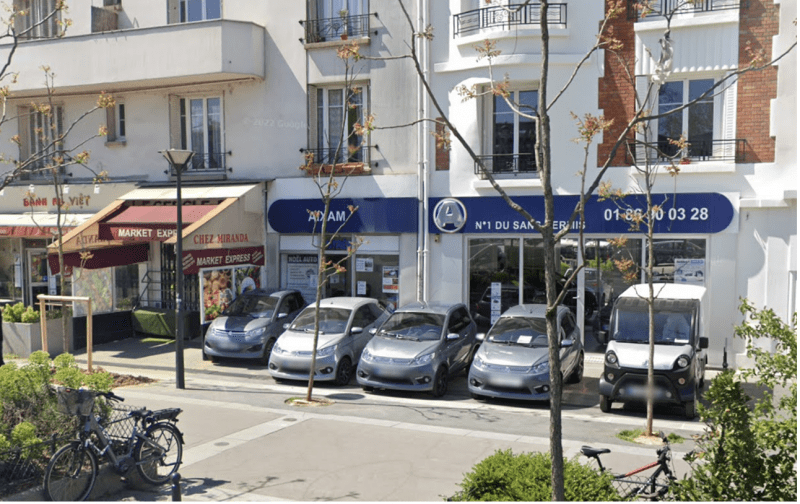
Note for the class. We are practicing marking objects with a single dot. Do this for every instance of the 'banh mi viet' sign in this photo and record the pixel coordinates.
(195, 260)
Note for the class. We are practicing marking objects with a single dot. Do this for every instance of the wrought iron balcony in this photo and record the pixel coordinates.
(322, 30)
(704, 150)
(204, 164)
(338, 159)
(507, 17)
(664, 7)
(507, 164)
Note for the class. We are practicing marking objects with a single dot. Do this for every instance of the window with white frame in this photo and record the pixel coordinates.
(335, 18)
(697, 121)
(512, 133)
(199, 10)
(201, 131)
(338, 110)
(115, 122)
(41, 130)
(37, 19)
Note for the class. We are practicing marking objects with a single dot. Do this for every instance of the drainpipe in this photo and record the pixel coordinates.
(423, 251)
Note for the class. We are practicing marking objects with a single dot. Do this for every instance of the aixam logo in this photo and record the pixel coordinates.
(449, 215)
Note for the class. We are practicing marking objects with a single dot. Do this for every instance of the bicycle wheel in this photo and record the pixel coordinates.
(70, 474)
(156, 465)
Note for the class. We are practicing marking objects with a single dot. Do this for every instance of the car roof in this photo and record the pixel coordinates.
(345, 302)
(532, 310)
(267, 292)
(429, 306)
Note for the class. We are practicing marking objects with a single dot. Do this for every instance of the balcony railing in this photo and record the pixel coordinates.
(665, 7)
(321, 30)
(704, 150)
(338, 159)
(507, 17)
(507, 164)
(204, 163)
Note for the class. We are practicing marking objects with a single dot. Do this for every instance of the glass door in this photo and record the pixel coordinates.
(38, 274)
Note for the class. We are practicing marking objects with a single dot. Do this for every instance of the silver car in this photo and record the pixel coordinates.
(512, 361)
(418, 347)
(344, 329)
(249, 327)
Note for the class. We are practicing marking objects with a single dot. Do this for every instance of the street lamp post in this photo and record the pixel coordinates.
(178, 159)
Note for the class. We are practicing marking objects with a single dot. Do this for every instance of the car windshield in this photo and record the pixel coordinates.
(331, 320)
(414, 326)
(519, 331)
(254, 306)
(671, 327)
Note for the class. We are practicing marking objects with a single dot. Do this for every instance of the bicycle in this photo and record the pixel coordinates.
(631, 486)
(141, 438)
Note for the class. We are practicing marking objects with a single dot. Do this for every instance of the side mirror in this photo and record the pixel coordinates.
(373, 331)
(602, 337)
(286, 326)
(453, 336)
(704, 342)
(567, 343)
(282, 315)
(356, 330)
(480, 337)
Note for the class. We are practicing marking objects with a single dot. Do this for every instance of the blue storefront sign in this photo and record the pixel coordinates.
(374, 215)
(683, 213)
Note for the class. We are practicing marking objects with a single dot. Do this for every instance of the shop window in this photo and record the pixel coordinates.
(679, 261)
(338, 110)
(199, 10)
(37, 19)
(97, 284)
(220, 286)
(378, 276)
(126, 286)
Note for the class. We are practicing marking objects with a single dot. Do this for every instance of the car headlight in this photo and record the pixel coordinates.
(540, 368)
(478, 362)
(366, 356)
(423, 359)
(327, 351)
(683, 361)
(276, 349)
(611, 359)
(256, 332)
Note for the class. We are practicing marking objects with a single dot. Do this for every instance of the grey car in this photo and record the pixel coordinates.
(344, 329)
(512, 361)
(251, 324)
(418, 348)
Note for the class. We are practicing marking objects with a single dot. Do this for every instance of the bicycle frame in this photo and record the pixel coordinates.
(105, 447)
(649, 487)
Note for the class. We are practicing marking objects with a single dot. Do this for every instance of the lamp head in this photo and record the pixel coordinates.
(176, 157)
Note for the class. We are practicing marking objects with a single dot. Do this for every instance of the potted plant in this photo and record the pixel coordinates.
(343, 16)
(22, 331)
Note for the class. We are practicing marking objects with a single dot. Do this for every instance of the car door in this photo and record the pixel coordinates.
(366, 319)
(568, 330)
(458, 350)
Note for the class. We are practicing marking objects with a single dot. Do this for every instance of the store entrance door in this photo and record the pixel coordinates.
(38, 275)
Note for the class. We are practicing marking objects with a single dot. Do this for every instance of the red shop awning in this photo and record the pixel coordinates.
(146, 223)
(103, 257)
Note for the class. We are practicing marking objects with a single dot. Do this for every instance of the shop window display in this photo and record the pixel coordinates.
(222, 285)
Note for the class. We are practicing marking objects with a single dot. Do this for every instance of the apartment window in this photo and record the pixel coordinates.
(697, 120)
(513, 134)
(327, 9)
(201, 131)
(199, 10)
(338, 111)
(115, 123)
(332, 19)
(40, 19)
(40, 133)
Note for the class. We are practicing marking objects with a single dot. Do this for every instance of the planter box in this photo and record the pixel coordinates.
(24, 339)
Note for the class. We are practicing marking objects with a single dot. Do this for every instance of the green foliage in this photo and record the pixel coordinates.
(527, 476)
(632, 434)
(19, 313)
(12, 313)
(750, 453)
(29, 316)
(27, 398)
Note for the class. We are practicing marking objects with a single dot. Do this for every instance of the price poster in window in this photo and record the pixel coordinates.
(691, 271)
(391, 280)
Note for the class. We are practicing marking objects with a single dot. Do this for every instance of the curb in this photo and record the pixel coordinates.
(108, 483)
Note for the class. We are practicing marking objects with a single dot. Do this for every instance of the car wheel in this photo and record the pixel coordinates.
(344, 371)
(267, 352)
(690, 407)
(577, 374)
(440, 382)
(605, 404)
